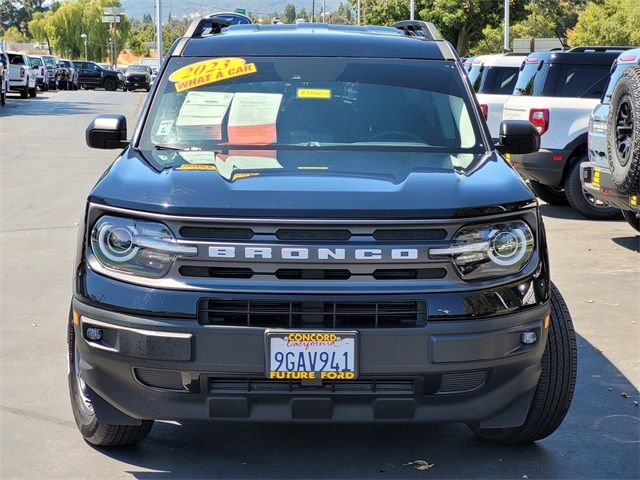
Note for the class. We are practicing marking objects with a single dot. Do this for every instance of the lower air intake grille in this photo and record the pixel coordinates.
(261, 385)
(312, 314)
(463, 381)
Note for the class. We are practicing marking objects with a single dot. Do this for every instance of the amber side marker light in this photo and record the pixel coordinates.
(75, 317)
(547, 321)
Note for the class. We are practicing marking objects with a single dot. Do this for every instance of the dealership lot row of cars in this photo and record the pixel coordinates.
(584, 103)
(26, 74)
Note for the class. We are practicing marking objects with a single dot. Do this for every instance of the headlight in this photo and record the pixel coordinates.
(489, 250)
(136, 247)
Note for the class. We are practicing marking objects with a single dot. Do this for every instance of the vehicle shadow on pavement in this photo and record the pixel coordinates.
(33, 106)
(567, 213)
(598, 439)
(630, 243)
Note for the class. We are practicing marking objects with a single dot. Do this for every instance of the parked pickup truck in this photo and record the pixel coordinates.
(22, 78)
(557, 91)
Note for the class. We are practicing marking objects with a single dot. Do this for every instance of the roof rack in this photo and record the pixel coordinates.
(206, 26)
(418, 28)
(599, 48)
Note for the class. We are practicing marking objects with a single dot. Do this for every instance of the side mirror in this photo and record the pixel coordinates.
(107, 131)
(518, 137)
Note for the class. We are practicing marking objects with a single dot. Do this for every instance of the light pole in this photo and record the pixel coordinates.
(159, 31)
(505, 46)
(84, 37)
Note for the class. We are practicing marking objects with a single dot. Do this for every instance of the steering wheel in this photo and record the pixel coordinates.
(396, 135)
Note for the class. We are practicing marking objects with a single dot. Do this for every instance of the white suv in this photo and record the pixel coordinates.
(557, 91)
(493, 78)
(22, 77)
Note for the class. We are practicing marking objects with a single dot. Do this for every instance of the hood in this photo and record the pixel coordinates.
(316, 185)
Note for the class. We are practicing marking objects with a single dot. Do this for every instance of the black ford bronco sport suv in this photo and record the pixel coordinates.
(311, 223)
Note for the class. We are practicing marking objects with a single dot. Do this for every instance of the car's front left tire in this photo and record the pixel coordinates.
(556, 385)
(93, 430)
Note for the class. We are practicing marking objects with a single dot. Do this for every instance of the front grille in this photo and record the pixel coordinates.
(312, 314)
(214, 233)
(263, 386)
(215, 272)
(312, 235)
(312, 274)
(409, 274)
(409, 234)
(163, 379)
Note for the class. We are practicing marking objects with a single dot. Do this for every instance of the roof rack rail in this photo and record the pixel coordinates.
(599, 48)
(418, 28)
(206, 26)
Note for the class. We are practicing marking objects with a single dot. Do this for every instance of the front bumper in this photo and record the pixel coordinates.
(598, 182)
(136, 84)
(544, 166)
(175, 369)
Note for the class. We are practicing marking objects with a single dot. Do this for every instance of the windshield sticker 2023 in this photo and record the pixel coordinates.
(210, 71)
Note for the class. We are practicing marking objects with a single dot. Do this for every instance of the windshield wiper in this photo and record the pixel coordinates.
(177, 149)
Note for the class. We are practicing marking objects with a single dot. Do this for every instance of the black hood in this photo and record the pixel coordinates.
(369, 185)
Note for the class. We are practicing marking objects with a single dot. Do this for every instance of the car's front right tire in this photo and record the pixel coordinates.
(93, 430)
(556, 385)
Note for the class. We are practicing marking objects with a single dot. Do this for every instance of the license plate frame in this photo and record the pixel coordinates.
(349, 341)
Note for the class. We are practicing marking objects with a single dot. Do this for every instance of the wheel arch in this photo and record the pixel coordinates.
(578, 147)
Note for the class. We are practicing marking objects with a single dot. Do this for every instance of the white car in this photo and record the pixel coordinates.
(22, 78)
(42, 74)
(4, 77)
(557, 91)
(493, 78)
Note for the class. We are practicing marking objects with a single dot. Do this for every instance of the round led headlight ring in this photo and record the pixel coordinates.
(508, 247)
(116, 243)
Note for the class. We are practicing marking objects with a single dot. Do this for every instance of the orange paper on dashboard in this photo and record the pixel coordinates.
(253, 117)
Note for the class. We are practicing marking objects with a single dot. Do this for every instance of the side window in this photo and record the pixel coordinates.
(582, 81)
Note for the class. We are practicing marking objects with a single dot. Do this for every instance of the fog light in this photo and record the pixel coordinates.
(528, 338)
(95, 334)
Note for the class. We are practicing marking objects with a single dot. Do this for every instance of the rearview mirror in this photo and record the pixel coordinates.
(518, 137)
(107, 132)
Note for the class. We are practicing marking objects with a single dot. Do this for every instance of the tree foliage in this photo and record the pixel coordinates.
(612, 22)
(63, 28)
(18, 14)
(289, 14)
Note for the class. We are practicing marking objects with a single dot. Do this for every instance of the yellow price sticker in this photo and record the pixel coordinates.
(195, 166)
(322, 93)
(633, 200)
(210, 71)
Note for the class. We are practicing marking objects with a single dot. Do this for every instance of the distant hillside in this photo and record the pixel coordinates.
(190, 8)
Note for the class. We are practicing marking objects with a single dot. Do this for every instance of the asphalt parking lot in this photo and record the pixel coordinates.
(46, 171)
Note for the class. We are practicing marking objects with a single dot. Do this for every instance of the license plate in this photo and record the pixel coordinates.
(311, 355)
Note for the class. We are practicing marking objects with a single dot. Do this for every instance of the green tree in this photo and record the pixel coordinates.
(612, 22)
(303, 14)
(289, 14)
(63, 28)
(18, 14)
(12, 34)
(462, 21)
(147, 18)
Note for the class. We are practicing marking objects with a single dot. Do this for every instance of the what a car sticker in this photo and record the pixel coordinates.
(164, 128)
(210, 71)
(320, 93)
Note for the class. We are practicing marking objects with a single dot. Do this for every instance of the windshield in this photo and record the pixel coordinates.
(48, 60)
(35, 61)
(137, 69)
(217, 106)
(65, 64)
